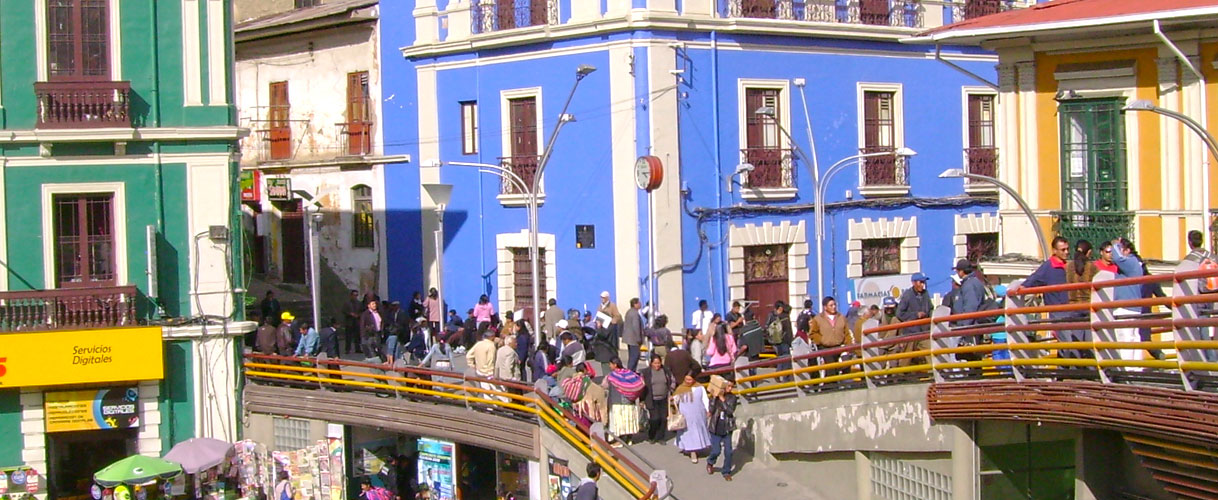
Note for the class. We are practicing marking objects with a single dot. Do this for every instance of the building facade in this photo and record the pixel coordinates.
(308, 86)
(121, 269)
(741, 102)
(1087, 167)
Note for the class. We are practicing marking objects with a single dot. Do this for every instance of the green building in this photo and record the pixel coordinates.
(120, 310)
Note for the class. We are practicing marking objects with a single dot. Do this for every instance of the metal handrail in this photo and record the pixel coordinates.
(1154, 321)
(618, 467)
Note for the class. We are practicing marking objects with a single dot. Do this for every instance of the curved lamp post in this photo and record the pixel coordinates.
(823, 183)
(1040, 234)
(1210, 143)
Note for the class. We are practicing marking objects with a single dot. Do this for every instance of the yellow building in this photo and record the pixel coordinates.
(1087, 167)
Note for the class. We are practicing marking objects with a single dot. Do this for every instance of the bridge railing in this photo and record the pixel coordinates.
(931, 349)
(448, 387)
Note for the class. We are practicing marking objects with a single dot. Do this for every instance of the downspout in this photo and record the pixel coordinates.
(957, 67)
(1205, 164)
(722, 268)
(153, 35)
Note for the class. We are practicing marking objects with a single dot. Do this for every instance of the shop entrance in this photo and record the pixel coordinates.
(73, 457)
(476, 479)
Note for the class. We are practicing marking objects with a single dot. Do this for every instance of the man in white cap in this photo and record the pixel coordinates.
(615, 319)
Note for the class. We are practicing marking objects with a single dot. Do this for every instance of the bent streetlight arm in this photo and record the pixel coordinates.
(1023, 205)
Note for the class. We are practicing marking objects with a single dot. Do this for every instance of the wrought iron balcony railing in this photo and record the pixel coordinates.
(524, 166)
(772, 168)
(981, 161)
(67, 308)
(900, 13)
(1093, 226)
(977, 8)
(83, 104)
(883, 170)
(355, 138)
(487, 16)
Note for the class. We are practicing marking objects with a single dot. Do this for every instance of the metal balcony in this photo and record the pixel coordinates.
(772, 168)
(524, 166)
(1093, 226)
(67, 308)
(355, 138)
(488, 16)
(83, 104)
(883, 170)
(899, 13)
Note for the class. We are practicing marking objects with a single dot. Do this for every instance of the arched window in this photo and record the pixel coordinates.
(363, 227)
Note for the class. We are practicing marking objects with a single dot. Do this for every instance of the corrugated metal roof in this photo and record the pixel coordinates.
(304, 14)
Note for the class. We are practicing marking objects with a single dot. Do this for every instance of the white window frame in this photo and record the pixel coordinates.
(119, 191)
(897, 227)
(898, 139)
(504, 243)
(965, 93)
(784, 117)
(469, 127)
(505, 135)
(114, 30)
(978, 223)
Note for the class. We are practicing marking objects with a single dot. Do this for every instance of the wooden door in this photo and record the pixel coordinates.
(522, 278)
(523, 120)
(277, 115)
(292, 241)
(765, 278)
(359, 127)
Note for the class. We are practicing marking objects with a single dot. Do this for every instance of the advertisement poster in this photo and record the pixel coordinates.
(335, 446)
(871, 291)
(81, 357)
(436, 468)
(110, 408)
(559, 479)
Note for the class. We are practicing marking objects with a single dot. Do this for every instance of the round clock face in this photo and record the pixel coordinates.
(642, 173)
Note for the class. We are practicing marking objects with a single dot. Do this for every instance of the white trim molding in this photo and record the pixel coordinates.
(967, 224)
(119, 191)
(867, 229)
(966, 92)
(795, 235)
(504, 243)
(217, 54)
(783, 86)
(192, 53)
(898, 132)
(505, 136)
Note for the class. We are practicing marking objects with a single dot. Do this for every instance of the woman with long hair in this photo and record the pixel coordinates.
(721, 350)
(483, 310)
(1080, 269)
(690, 399)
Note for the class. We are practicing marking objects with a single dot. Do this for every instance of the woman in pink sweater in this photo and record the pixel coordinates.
(722, 348)
(483, 310)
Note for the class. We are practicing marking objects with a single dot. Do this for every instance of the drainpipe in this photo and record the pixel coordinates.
(153, 35)
(1205, 164)
(722, 272)
(961, 69)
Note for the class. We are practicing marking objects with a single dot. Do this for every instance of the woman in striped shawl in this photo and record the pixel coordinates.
(624, 387)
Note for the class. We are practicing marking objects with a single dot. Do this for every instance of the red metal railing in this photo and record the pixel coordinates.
(67, 308)
(982, 161)
(889, 170)
(771, 167)
(83, 104)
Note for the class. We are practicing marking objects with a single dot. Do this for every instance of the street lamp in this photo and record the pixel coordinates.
(311, 223)
(742, 168)
(440, 195)
(821, 184)
(1040, 235)
(581, 71)
(1210, 143)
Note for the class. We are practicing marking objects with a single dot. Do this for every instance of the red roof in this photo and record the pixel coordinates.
(1059, 11)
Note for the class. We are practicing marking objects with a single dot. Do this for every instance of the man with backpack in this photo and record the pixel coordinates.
(587, 489)
(283, 488)
(779, 334)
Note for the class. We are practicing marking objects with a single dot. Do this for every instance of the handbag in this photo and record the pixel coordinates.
(676, 421)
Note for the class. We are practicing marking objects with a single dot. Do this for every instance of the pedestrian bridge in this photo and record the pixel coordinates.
(880, 419)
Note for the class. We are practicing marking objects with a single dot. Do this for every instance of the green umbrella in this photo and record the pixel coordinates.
(136, 469)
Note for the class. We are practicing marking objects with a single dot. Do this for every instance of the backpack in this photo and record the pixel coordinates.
(773, 332)
(1209, 284)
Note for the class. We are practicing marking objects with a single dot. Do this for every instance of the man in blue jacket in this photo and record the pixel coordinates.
(1126, 258)
(971, 293)
(1053, 272)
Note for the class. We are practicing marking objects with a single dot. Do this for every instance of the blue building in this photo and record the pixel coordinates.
(739, 100)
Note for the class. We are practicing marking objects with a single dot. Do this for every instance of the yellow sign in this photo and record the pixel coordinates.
(81, 356)
(109, 408)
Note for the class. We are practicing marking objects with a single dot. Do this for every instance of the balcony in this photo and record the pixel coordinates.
(981, 161)
(355, 138)
(1093, 226)
(978, 8)
(67, 308)
(83, 104)
(773, 174)
(883, 175)
(898, 13)
(487, 16)
(524, 166)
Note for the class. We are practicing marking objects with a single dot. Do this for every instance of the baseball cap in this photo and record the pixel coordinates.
(605, 294)
(964, 265)
(562, 323)
(287, 316)
(919, 277)
(890, 302)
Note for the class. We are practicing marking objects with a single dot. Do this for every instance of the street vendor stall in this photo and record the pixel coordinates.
(136, 477)
(209, 466)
